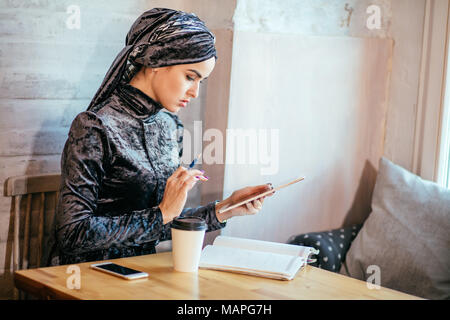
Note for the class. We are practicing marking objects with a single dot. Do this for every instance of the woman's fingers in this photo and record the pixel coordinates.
(253, 206)
(190, 183)
(250, 208)
(261, 201)
(257, 204)
(188, 178)
(178, 172)
(271, 187)
(183, 173)
(188, 174)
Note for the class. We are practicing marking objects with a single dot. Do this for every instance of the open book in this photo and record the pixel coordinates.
(255, 257)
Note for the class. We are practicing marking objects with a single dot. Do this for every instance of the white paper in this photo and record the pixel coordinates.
(264, 246)
(262, 258)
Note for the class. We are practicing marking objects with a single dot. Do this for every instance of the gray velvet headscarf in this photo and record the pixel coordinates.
(159, 37)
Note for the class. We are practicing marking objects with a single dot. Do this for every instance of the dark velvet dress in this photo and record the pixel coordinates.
(114, 167)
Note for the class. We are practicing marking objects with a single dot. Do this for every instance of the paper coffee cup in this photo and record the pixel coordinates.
(187, 240)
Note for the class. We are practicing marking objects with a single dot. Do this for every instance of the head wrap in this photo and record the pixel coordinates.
(158, 38)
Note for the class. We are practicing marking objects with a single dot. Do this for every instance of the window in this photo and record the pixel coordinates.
(444, 154)
(431, 159)
(444, 161)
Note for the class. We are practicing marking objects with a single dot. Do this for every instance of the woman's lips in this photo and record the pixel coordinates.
(183, 103)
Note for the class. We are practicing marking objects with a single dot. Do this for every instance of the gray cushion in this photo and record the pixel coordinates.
(407, 235)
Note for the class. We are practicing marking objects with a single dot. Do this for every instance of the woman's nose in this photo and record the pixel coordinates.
(194, 89)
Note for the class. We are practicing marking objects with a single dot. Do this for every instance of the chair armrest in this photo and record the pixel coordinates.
(332, 244)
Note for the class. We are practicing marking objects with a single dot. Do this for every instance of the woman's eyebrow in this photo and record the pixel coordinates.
(197, 73)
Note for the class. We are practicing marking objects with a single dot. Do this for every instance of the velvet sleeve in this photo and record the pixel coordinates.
(208, 213)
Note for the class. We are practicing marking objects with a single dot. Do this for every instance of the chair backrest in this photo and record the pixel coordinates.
(33, 205)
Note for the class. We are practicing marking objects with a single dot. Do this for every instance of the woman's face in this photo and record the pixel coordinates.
(175, 86)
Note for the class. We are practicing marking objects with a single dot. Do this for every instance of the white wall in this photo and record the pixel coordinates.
(315, 72)
(330, 111)
(407, 32)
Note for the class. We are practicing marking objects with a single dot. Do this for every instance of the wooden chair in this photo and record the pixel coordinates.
(33, 206)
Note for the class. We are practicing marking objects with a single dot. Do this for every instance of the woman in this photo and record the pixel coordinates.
(122, 183)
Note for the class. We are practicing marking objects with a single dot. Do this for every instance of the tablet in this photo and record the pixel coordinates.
(260, 195)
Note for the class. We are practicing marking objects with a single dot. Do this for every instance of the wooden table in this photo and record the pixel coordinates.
(165, 283)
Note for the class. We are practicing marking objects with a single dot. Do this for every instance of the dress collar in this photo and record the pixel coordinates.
(139, 104)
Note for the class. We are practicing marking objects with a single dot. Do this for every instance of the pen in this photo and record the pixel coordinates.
(195, 161)
(193, 164)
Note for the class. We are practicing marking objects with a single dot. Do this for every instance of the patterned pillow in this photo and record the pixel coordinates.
(332, 244)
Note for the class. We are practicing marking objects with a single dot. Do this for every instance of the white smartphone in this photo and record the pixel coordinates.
(119, 271)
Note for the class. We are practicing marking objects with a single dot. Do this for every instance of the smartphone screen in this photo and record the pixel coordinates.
(118, 269)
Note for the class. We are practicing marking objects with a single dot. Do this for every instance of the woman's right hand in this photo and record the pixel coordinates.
(175, 193)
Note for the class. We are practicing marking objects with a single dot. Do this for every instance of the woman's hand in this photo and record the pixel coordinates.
(248, 208)
(175, 193)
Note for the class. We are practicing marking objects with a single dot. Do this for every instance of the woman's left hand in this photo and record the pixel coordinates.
(248, 208)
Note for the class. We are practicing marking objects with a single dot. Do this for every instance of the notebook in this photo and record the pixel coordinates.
(255, 257)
